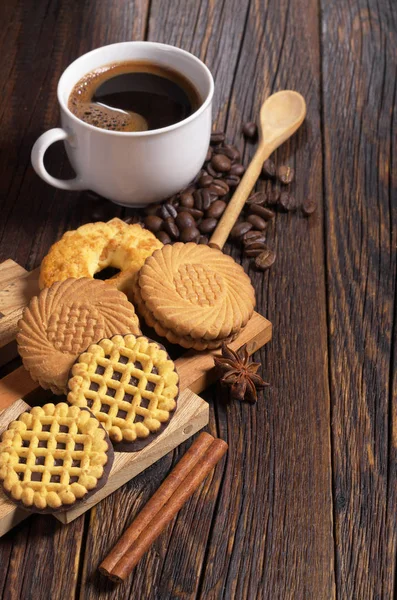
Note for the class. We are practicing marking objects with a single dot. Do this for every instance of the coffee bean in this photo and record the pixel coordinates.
(189, 234)
(232, 180)
(250, 130)
(286, 174)
(208, 225)
(185, 219)
(273, 196)
(217, 137)
(237, 169)
(198, 200)
(309, 206)
(221, 163)
(257, 198)
(189, 190)
(212, 171)
(288, 202)
(205, 180)
(265, 259)
(187, 200)
(222, 184)
(256, 245)
(167, 210)
(206, 199)
(257, 222)
(269, 169)
(253, 236)
(209, 154)
(196, 214)
(252, 252)
(151, 209)
(203, 239)
(240, 229)
(216, 209)
(170, 228)
(262, 211)
(217, 189)
(229, 151)
(163, 237)
(153, 223)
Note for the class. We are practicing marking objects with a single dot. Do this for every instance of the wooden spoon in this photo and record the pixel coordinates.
(280, 116)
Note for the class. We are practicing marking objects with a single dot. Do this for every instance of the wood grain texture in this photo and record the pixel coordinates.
(360, 82)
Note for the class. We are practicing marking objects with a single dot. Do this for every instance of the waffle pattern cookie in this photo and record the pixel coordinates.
(95, 246)
(130, 384)
(194, 295)
(63, 321)
(54, 456)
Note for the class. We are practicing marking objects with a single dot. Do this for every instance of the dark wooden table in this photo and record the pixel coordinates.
(305, 505)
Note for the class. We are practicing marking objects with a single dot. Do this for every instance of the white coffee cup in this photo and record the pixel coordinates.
(131, 168)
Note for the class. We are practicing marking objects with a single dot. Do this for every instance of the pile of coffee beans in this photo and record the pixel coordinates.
(193, 214)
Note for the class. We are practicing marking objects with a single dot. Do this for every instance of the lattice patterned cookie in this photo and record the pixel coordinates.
(130, 384)
(63, 321)
(194, 295)
(54, 456)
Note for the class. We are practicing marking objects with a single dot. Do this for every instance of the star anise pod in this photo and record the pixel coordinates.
(240, 374)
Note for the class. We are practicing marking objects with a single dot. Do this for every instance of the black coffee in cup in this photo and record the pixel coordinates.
(133, 96)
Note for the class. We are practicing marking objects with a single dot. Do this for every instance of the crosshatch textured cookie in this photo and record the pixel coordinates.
(130, 384)
(63, 320)
(95, 246)
(194, 295)
(53, 456)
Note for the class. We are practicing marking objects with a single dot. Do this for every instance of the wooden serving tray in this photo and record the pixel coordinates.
(195, 370)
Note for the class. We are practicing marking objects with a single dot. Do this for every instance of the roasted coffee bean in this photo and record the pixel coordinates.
(189, 234)
(237, 169)
(286, 174)
(216, 209)
(151, 209)
(265, 259)
(209, 154)
(262, 211)
(232, 180)
(203, 239)
(250, 130)
(216, 189)
(253, 236)
(252, 252)
(257, 222)
(170, 228)
(222, 184)
(273, 196)
(184, 219)
(196, 214)
(269, 169)
(167, 210)
(258, 198)
(256, 244)
(198, 200)
(187, 200)
(309, 206)
(240, 229)
(205, 180)
(229, 151)
(206, 199)
(288, 202)
(212, 171)
(189, 190)
(217, 137)
(208, 225)
(163, 237)
(153, 223)
(221, 163)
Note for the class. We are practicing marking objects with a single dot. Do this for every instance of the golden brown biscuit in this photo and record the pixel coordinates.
(63, 321)
(52, 456)
(195, 294)
(95, 246)
(130, 384)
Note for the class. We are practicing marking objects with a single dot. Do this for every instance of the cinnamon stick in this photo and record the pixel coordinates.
(143, 542)
(157, 501)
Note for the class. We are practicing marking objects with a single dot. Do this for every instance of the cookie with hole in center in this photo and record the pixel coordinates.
(63, 320)
(54, 456)
(130, 384)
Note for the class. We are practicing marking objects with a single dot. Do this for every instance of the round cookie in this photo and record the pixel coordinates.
(63, 320)
(95, 246)
(194, 295)
(54, 456)
(131, 386)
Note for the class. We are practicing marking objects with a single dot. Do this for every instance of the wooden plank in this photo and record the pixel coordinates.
(360, 82)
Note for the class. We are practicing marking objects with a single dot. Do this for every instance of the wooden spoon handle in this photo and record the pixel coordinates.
(240, 196)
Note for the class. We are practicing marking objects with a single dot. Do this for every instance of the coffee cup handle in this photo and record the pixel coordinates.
(37, 158)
